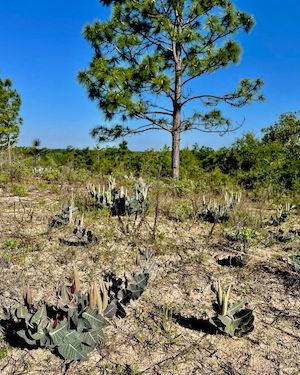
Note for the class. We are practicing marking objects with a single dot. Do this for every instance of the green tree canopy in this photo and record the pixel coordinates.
(146, 57)
(285, 131)
(10, 119)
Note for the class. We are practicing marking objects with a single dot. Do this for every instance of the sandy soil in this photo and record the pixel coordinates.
(162, 333)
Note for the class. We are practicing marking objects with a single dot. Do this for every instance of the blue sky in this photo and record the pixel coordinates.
(42, 49)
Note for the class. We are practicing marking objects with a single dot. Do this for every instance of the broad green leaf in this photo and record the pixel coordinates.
(38, 335)
(58, 334)
(93, 337)
(23, 335)
(96, 320)
(74, 351)
(46, 341)
(63, 293)
(22, 312)
(235, 308)
(71, 337)
(225, 320)
(81, 325)
(244, 317)
(41, 312)
(111, 309)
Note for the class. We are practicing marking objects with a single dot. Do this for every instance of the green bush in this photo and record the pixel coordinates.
(244, 234)
(4, 177)
(52, 175)
(181, 211)
(19, 190)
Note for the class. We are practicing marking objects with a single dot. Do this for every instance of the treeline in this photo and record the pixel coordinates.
(250, 161)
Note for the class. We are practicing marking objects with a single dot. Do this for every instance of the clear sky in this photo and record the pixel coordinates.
(42, 49)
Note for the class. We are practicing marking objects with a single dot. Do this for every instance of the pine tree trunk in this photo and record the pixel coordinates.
(176, 128)
(176, 147)
(9, 152)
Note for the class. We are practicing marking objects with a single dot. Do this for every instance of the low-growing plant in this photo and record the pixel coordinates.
(19, 190)
(4, 177)
(84, 236)
(179, 188)
(295, 261)
(286, 236)
(123, 289)
(40, 171)
(52, 174)
(11, 244)
(282, 215)
(72, 328)
(180, 211)
(118, 201)
(244, 234)
(231, 319)
(74, 325)
(218, 212)
(65, 217)
(4, 350)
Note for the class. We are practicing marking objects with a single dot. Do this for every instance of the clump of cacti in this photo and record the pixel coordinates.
(218, 212)
(282, 215)
(104, 196)
(65, 217)
(84, 234)
(231, 319)
(119, 201)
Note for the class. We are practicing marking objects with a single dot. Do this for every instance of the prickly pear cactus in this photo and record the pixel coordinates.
(231, 319)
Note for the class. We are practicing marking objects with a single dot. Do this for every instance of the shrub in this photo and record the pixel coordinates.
(4, 177)
(244, 234)
(52, 174)
(19, 190)
(180, 211)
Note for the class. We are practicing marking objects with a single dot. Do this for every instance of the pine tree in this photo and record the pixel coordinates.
(36, 146)
(10, 119)
(146, 57)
